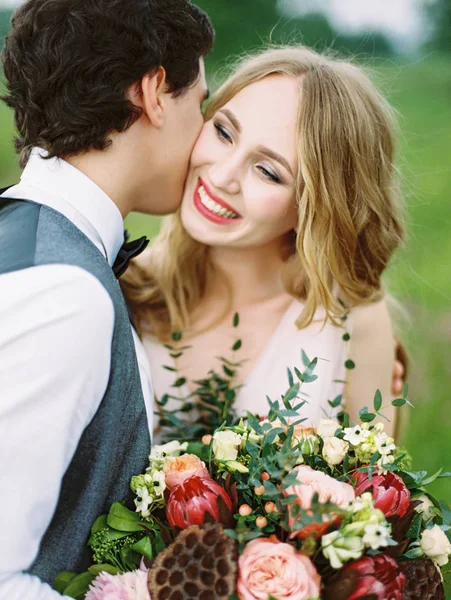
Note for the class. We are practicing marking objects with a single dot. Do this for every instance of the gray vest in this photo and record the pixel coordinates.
(115, 445)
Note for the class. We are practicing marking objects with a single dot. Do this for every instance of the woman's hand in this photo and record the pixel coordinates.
(399, 369)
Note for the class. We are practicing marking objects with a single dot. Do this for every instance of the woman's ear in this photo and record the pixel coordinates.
(149, 96)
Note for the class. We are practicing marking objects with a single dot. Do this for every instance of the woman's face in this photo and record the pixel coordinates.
(240, 190)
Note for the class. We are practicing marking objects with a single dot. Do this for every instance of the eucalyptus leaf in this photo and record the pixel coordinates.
(305, 359)
(163, 400)
(271, 435)
(310, 378)
(229, 372)
(377, 400)
(230, 395)
(367, 417)
(398, 402)
(299, 375)
(414, 553)
(336, 401)
(292, 392)
(237, 345)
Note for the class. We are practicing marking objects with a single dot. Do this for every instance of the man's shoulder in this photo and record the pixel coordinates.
(18, 227)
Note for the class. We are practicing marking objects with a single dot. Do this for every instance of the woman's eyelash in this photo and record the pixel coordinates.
(222, 132)
(269, 174)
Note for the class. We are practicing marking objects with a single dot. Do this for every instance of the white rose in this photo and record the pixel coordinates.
(334, 450)
(426, 508)
(225, 445)
(327, 428)
(436, 545)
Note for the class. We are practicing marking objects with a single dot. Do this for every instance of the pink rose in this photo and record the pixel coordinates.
(270, 567)
(176, 470)
(328, 489)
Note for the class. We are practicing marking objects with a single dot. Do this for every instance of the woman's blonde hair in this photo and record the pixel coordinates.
(346, 191)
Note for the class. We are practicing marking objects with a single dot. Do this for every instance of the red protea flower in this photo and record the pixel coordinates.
(198, 500)
(390, 493)
(376, 577)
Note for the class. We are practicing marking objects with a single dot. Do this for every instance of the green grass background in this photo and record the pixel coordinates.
(420, 276)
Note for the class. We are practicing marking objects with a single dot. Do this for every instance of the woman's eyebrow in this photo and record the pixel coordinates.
(277, 157)
(261, 149)
(232, 118)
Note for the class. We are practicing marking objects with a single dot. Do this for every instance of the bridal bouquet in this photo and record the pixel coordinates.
(272, 509)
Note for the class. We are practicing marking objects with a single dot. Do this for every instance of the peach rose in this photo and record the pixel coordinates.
(328, 489)
(176, 470)
(270, 567)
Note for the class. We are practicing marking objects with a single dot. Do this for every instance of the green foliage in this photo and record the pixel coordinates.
(439, 14)
(209, 405)
(5, 22)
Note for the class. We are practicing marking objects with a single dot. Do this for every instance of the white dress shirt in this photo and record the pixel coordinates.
(56, 322)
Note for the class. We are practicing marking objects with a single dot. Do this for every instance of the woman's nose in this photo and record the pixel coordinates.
(225, 175)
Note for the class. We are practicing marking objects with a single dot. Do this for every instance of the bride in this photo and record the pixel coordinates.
(290, 215)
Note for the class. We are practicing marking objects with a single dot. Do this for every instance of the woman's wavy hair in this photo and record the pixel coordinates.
(69, 64)
(350, 216)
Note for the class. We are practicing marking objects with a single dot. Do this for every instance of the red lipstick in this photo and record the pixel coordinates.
(209, 214)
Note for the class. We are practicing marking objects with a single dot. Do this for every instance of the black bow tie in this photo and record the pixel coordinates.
(128, 251)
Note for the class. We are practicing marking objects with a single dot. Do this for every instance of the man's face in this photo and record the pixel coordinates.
(182, 126)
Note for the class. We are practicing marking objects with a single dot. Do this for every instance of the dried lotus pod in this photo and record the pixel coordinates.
(423, 580)
(201, 563)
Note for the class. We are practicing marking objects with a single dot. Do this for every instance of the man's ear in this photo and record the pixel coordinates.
(149, 96)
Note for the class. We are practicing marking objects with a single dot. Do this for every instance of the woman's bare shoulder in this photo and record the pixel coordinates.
(368, 320)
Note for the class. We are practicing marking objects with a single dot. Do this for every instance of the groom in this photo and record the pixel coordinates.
(107, 99)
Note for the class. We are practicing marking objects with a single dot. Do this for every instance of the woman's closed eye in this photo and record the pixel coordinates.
(222, 133)
(269, 174)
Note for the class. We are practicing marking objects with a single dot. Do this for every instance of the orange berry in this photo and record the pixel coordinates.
(261, 522)
(264, 476)
(206, 439)
(270, 507)
(245, 510)
(259, 490)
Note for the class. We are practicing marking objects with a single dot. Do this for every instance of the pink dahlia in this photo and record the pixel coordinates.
(128, 586)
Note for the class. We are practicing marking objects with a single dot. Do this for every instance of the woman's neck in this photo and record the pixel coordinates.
(251, 274)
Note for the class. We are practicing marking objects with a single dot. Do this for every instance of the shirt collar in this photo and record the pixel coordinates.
(69, 192)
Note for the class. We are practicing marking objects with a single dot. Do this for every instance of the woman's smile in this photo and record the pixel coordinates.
(212, 207)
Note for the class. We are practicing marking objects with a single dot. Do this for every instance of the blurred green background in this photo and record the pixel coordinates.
(410, 55)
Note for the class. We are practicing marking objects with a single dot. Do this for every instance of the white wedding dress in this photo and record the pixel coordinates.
(269, 375)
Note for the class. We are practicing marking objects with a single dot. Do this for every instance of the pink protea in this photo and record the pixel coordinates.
(128, 586)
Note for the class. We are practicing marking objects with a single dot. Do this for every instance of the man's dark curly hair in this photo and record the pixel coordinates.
(69, 63)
